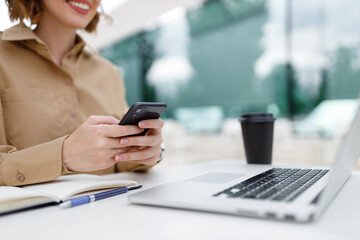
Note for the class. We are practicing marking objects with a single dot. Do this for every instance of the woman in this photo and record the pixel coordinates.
(60, 104)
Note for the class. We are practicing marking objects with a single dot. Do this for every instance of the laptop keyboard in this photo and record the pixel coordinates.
(276, 184)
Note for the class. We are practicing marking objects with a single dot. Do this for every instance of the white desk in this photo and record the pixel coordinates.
(115, 218)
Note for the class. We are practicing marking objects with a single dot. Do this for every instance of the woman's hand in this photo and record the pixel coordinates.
(142, 149)
(92, 146)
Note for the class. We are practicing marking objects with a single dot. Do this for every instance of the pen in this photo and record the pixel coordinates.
(97, 196)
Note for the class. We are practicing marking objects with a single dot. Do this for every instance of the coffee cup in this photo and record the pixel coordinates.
(257, 132)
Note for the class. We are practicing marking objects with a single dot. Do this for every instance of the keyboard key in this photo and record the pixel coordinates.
(238, 194)
(277, 184)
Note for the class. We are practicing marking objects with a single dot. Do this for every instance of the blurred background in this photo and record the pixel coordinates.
(213, 60)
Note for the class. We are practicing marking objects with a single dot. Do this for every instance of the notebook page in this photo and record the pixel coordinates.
(67, 186)
(11, 194)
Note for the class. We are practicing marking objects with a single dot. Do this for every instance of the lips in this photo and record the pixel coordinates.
(81, 6)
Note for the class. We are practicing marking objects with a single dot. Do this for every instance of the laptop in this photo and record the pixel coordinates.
(299, 194)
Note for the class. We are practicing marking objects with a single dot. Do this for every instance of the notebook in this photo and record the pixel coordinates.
(63, 188)
(289, 193)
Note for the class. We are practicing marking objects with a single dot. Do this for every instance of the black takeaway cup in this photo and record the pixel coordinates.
(257, 130)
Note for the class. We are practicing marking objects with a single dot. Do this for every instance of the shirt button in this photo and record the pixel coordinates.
(20, 177)
(67, 81)
(73, 113)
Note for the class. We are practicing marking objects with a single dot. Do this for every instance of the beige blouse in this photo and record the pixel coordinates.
(41, 103)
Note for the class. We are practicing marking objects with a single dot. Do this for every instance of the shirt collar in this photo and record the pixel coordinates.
(21, 32)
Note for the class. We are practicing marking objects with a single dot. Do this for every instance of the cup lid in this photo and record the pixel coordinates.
(256, 117)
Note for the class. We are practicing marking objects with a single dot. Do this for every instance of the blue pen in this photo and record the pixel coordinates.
(97, 196)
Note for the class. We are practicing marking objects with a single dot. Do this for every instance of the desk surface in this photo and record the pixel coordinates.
(116, 218)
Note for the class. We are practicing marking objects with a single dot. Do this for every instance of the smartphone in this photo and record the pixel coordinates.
(142, 111)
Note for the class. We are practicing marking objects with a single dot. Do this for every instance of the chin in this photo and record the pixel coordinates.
(78, 25)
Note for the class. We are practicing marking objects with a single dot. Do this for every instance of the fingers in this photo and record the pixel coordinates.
(114, 131)
(120, 130)
(108, 126)
(150, 140)
(107, 157)
(93, 145)
(117, 145)
(146, 141)
(147, 156)
(155, 125)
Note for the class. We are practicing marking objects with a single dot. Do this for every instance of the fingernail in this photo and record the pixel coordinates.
(119, 157)
(142, 124)
(124, 141)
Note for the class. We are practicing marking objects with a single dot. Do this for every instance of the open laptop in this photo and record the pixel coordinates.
(266, 191)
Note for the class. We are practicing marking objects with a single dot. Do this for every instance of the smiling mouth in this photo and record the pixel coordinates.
(81, 6)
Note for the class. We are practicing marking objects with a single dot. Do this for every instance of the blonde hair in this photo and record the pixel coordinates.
(32, 10)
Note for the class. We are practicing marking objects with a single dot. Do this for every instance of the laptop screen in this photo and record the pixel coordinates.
(347, 157)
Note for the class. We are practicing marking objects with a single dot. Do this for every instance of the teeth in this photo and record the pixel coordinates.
(79, 5)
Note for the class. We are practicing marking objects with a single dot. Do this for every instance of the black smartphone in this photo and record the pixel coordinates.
(141, 111)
